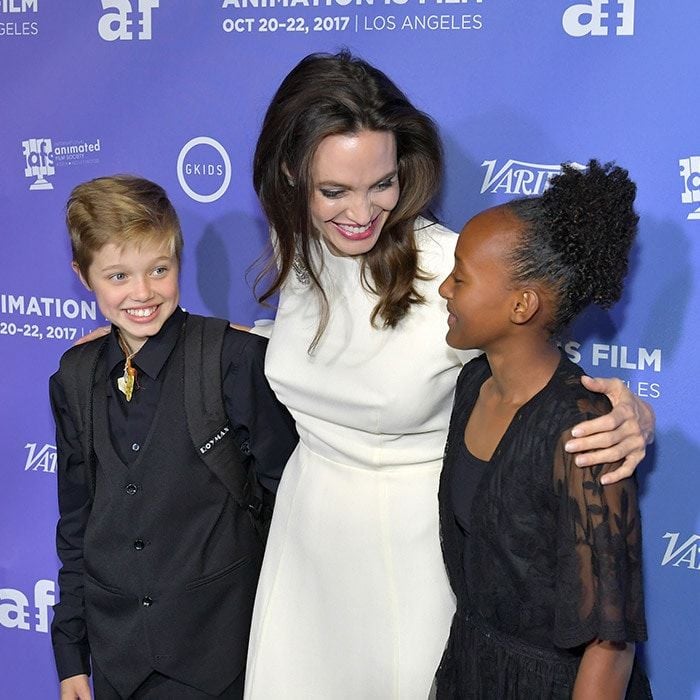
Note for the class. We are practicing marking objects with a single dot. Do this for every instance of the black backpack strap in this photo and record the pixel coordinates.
(207, 422)
(77, 369)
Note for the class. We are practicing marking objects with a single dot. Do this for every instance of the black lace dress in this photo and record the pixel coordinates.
(541, 557)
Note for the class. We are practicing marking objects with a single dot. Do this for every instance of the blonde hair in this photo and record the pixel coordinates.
(120, 209)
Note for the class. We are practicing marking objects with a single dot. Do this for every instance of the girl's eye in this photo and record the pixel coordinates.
(118, 276)
(160, 271)
(331, 194)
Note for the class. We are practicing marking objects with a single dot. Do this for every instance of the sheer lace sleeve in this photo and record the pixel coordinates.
(599, 578)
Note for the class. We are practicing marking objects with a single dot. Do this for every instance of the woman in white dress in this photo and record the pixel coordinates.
(353, 600)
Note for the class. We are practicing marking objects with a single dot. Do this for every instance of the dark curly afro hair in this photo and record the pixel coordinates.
(577, 237)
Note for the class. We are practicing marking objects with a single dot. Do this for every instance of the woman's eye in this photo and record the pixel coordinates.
(385, 184)
(332, 194)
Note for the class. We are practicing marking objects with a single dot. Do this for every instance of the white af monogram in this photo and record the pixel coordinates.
(118, 23)
(594, 18)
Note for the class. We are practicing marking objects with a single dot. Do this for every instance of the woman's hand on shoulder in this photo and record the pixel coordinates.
(94, 335)
(621, 435)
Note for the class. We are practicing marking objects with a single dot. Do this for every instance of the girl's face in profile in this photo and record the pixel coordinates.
(479, 291)
(355, 186)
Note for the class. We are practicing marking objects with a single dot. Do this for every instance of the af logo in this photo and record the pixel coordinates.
(43, 459)
(686, 554)
(15, 608)
(38, 159)
(595, 17)
(118, 23)
(690, 172)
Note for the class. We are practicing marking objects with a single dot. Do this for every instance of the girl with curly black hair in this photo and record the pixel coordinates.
(544, 560)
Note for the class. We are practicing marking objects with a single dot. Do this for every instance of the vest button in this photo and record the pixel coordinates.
(136, 447)
(131, 489)
(245, 448)
(139, 544)
(147, 601)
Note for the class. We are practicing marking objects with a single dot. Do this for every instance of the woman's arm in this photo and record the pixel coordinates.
(604, 671)
(622, 434)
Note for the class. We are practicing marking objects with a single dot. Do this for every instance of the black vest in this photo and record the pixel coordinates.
(171, 561)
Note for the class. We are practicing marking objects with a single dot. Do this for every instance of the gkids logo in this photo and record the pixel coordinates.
(204, 169)
(119, 23)
(686, 554)
(519, 177)
(597, 16)
(38, 159)
(42, 459)
(690, 172)
(15, 608)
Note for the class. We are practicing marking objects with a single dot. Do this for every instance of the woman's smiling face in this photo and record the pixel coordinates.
(354, 188)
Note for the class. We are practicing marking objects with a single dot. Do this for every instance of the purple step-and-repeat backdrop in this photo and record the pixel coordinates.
(175, 90)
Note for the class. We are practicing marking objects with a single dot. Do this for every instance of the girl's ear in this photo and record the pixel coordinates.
(81, 277)
(526, 303)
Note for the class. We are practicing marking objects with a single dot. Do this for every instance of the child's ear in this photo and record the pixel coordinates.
(526, 303)
(81, 277)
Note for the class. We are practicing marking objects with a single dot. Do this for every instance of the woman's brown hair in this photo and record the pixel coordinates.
(329, 94)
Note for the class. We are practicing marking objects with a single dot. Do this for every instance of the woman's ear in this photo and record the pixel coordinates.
(526, 304)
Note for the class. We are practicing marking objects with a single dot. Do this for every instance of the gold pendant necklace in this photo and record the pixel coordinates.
(126, 382)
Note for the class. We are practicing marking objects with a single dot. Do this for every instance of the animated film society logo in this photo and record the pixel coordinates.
(684, 554)
(125, 17)
(519, 177)
(40, 458)
(204, 169)
(598, 17)
(690, 172)
(42, 157)
(17, 17)
(38, 158)
(16, 610)
(603, 356)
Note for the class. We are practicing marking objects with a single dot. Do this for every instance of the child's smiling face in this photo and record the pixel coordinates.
(136, 288)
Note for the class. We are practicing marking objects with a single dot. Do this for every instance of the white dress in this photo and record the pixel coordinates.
(353, 600)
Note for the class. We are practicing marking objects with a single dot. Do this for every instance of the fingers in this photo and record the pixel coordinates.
(625, 470)
(612, 387)
(622, 418)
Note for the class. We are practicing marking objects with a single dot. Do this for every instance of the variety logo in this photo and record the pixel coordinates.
(596, 17)
(125, 15)
(39, 162)
(690, 172)
(685, 554)
(519, 177)
(42, 459)
(15, 610)
(204, 169)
